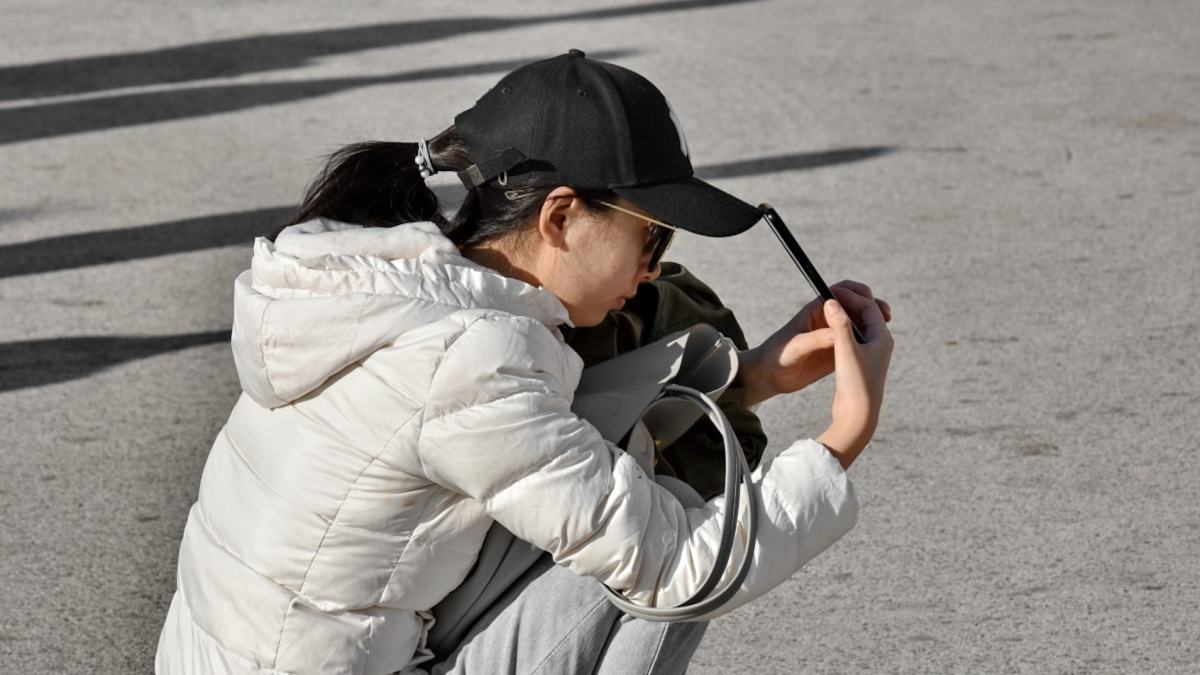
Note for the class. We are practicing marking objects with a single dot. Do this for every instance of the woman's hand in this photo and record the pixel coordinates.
(861, 371)
(801, 352)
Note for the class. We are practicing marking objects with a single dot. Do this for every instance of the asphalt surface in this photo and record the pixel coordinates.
(1018, 179)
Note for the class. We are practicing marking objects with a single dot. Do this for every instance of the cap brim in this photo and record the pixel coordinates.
(694, 205)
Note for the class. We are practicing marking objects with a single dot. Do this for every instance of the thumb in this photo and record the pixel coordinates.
(845, 348)
(813, 340)
(839, 321)
(801, 345)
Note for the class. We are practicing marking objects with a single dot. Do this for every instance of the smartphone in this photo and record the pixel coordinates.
(810, 273)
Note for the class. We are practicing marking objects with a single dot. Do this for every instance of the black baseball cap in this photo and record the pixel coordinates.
(595, 126)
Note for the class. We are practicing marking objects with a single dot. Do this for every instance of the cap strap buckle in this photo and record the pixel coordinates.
(497, 165)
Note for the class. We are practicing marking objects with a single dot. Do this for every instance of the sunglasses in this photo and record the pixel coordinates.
(661, 236)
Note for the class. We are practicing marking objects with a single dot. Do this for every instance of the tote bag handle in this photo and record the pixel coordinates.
(737, 475)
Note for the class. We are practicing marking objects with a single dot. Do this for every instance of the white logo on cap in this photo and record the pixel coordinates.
(679, 129)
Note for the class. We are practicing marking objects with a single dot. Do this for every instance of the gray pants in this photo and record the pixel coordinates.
(550, 620)
(553, 621)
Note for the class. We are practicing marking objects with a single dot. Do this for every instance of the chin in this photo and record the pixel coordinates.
(590, 321)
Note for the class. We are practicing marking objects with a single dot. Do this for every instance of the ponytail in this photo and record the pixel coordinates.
(373, 184)
(378, 184)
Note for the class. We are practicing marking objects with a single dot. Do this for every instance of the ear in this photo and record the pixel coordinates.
(561, 208)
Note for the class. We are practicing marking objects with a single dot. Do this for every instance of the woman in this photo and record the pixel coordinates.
(406, 385)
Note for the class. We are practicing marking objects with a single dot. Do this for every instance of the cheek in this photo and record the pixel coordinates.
(630, 248)
(618, 257)
(625, 260)
(608, 264)
(613, 271)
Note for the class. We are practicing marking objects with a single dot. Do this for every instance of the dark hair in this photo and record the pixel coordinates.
(377, 184)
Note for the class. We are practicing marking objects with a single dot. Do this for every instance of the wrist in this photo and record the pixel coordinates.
(752, 376)
(844, 444)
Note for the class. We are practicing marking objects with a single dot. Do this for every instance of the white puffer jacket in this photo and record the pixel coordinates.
(398, 398)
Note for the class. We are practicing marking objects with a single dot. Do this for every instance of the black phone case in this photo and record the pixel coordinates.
(798, 256)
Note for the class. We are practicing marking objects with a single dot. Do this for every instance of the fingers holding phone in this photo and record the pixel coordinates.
(862, 307)
(860, 372)
(861, 289)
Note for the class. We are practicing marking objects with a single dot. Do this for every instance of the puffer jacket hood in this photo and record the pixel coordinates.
(327, 294)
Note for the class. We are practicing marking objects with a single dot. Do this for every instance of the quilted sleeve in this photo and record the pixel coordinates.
(498, 428)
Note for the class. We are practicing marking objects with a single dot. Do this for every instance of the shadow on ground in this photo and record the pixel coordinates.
(34, 363)
(72, 251)
(792, 162)
(146, 241)
(261, 53)
(61, 118)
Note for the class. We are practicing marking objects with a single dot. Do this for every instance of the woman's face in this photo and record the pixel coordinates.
(592, 261)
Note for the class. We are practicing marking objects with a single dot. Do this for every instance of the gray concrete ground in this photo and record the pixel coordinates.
(1018, 178)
